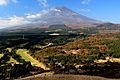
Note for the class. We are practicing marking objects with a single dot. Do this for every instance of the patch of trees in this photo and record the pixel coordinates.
(14, 70)
(59, 26)
(63, 63)
(66, 64)
(114, 48)
(108, 69)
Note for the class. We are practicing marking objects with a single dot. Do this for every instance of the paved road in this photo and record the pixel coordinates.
(38, 75)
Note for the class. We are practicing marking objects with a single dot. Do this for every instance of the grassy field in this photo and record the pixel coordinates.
(1, 55)
(26, 56)
(12, 61)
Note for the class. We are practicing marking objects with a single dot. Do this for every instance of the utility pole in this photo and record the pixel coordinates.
(23, 36)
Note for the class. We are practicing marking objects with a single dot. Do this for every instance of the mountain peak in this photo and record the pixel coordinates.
(64, 9)
(62, 15)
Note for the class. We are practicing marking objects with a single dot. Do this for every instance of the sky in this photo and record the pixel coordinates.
(16, 12)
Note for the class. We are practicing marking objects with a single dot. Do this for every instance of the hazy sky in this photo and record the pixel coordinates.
(16, 11)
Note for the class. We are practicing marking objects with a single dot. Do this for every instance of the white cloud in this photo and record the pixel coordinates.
(5, 2)
(12, 21)
(85, 1)
(30, 16)
(38, 15)
(44, 3)
(15, 20)
(56, 10)
(85, 10)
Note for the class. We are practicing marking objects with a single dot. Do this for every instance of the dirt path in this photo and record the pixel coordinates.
(108, 59)
(25, 55)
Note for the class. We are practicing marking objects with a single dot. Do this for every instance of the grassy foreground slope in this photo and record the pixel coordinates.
(24, 54)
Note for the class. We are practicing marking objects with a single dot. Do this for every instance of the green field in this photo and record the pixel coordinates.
(1, 55)
(23, 55)
(26, 56)
(12, 60)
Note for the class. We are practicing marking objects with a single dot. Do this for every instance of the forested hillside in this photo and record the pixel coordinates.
(82, 56)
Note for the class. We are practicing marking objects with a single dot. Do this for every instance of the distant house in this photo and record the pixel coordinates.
(54, 34)
(47, 31)
(81, 33)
